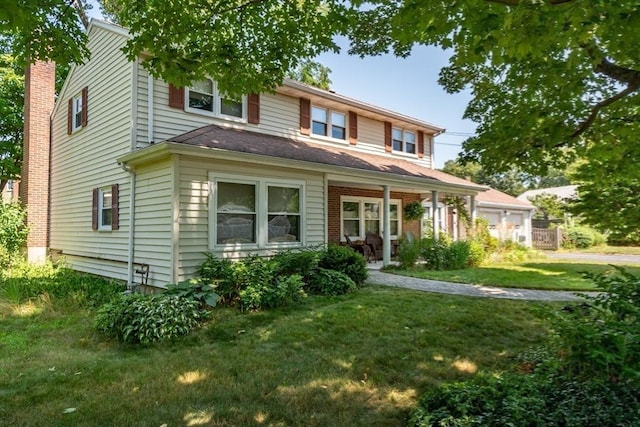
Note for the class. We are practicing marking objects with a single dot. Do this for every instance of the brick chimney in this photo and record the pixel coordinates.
(39, 99)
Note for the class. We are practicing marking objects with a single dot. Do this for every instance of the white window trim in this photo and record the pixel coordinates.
(442, 215)
(101, 225)
(262, 211)
(76, 109)
(404, 142)
(217, 105)
(329, 136)
(361, 217)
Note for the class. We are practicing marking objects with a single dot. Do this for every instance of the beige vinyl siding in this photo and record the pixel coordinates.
(86, 159)
(371, 132)
(278, 115)
(194, 206)
(154, 212)
(142, 132)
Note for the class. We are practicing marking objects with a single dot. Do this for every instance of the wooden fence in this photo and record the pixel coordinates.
(546, 238)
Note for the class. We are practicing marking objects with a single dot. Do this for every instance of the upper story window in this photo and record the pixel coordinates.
(330, 123)
(203, 97)
(404, 141)
(77, 113)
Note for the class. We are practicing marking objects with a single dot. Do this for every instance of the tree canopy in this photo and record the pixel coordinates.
(45, 30)
(11, 118)
(549, 78)
(312, 73)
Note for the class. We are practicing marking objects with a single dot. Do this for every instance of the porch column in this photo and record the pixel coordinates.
(386, 227)
(472, 211)
(434, 214)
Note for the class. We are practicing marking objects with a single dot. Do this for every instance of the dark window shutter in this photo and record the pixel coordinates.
(387, 137)
(253, 108)
(115, 213)
(70, 117)
(305, 116)
(176, 97)
(420, 144)
(94, 209)
(85, 105)
(353, 127)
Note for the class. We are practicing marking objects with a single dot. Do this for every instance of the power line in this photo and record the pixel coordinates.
(452, 144)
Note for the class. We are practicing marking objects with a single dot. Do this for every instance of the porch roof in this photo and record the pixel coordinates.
(331, 158)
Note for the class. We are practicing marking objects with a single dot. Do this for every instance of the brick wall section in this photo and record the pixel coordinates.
(335, 192)
(34, 187)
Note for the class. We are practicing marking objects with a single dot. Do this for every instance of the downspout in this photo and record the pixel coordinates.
(132, 217)
(150, 123)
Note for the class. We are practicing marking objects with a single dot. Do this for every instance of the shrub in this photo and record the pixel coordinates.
(529, 400)
(345, 260)
(220, 273)
(146, 319)
(408, 251)
(262, 287)
(13, 231)
(582, 237)
(601, 338)
(458, 255)
(330, 282)
(477, 253)
(302, 262)
(194, 290)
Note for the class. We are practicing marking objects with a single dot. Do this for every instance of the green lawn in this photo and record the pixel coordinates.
(356, 360)
(606, 249)
(544, 274)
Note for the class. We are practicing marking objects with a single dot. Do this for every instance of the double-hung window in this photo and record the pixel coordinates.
(204, 97)
(255, 212)
(404, 141)
(76, 115)
(329, 123)
(360, 216)
(105, 214)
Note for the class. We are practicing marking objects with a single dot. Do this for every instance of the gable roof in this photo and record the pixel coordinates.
(495, 198)
(344, 160)
(563, 192)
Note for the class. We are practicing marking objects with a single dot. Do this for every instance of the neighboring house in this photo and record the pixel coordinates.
(565, 192)
(146, 173)
(9, 192)
(509, 218)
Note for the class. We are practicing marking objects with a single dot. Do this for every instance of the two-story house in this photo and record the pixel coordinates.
(142, 172)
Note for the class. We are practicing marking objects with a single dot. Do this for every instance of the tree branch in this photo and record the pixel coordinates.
(600, 105)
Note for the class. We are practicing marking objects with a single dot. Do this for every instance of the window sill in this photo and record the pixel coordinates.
(213, 115)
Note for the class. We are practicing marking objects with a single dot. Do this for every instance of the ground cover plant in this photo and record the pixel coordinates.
(545, 274)
(587, 374)
(360, 358)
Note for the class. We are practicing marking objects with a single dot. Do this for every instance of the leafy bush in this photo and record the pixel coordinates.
(345, 260)
(194, 290)
(330, 282)
(477, 253)
(582, 237)
(601, 338)
(529, 400)
(13, 231)
(220, 273)
(459, 253)
(302, 262)
(261, 285)
(146, 319)
(408, 251)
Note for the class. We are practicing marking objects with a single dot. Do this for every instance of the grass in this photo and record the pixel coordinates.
(360, 360)
(545, 274)
(606, 249)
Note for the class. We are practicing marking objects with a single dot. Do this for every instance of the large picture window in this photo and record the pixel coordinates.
(203, 97)
(360, 216)
(255, 212)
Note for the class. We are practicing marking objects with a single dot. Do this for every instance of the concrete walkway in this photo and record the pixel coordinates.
(377, 277)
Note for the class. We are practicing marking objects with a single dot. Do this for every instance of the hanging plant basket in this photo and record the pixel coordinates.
(413, 211)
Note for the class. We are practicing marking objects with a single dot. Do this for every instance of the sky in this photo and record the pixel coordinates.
(405, 85)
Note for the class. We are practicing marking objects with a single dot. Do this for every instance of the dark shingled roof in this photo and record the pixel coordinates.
(242, 141)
